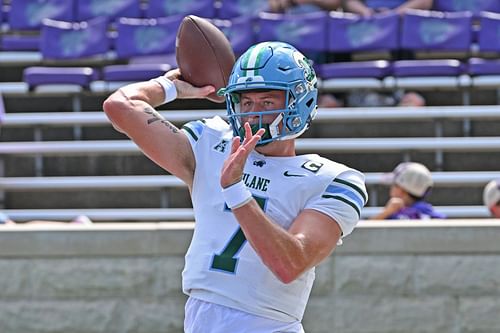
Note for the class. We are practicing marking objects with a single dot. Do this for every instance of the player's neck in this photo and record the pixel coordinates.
(278, 148)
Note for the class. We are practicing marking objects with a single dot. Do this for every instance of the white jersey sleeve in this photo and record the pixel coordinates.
(194, 129)
(342, 199)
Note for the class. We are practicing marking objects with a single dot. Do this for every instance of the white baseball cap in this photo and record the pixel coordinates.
(491, 193)
(413, 177)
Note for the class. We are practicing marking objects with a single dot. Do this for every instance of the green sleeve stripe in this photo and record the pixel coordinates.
(356, 188)
(190, 132)
(345, 201)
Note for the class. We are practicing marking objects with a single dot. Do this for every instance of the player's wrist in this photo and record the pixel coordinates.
(236, 195)
(168, 88)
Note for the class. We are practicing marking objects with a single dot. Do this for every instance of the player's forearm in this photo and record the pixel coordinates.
(283, 253)
(150, 92)
(128, 102)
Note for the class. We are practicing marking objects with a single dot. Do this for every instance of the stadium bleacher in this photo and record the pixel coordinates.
(86, 49)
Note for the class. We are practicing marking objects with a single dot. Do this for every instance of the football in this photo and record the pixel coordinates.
(204, 54)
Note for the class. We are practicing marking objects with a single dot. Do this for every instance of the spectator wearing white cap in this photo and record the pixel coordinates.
(411, 183)
(491, 197)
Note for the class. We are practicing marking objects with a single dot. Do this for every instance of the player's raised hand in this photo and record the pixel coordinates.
(232, 170)
(186, 89)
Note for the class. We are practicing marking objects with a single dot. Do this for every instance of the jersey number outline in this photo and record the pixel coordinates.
(227, 261)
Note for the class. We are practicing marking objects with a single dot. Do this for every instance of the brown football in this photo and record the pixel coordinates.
(204, 54)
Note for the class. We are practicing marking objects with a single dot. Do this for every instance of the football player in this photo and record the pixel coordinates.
(265, 217)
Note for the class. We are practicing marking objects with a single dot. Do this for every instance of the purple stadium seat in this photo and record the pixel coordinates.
(486, 72)
(351, 33)
(162, 8)
(240, 31)
(307, 32)
(489, 32)
(80, 76)
(29, 14)
(434, 32)
(233, 8)
(67, 40)
(483, 67)
(140, 37)
(134, 72)
(20, 42)
(112, 9)
(473, 6)
(355, 69)
(428, 68)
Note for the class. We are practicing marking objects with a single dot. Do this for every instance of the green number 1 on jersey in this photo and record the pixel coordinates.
(226, 261)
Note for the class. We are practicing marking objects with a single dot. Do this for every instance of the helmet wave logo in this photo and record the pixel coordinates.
(309, 74)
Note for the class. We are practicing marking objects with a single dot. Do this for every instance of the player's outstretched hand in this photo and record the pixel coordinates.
(185, 89)
(232, 170)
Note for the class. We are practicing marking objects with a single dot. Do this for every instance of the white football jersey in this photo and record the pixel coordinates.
(221, 266)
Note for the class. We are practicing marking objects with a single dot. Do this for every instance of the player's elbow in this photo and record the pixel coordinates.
(286, 278)
(287, 274)
(116, 107)
(112, 106)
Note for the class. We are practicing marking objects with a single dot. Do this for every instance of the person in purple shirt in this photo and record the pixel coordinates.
(411, 183)
(370, 7)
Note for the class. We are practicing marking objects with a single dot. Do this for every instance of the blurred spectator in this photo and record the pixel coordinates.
(81, 219)
(411, 183)
(302, 6)
(412, 98)
(370, 7)
(366, 98)
(491, 197)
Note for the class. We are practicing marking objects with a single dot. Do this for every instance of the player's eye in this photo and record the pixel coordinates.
(246, 105)
(269, 104)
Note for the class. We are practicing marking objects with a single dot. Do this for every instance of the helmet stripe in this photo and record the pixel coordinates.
(244, 61)
(254, 58)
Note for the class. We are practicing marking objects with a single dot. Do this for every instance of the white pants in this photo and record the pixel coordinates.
(205, 317)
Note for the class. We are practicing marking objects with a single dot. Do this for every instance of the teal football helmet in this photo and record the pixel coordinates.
(273, 66)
